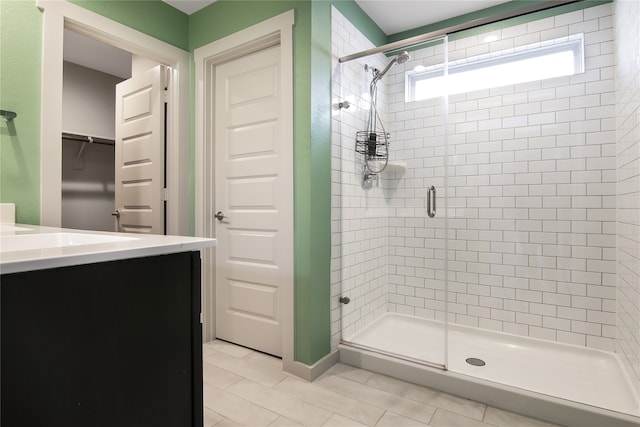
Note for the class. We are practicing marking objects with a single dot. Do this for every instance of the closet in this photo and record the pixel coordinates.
(88, 123)
(91, 71)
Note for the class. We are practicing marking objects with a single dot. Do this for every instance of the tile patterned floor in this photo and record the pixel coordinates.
(243, 387)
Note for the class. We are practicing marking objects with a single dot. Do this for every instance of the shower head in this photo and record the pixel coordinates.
(403, 57)
(400, 59)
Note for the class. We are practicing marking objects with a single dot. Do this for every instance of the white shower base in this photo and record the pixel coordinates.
(578, 374)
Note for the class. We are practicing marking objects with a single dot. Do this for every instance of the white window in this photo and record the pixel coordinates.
(554, 58)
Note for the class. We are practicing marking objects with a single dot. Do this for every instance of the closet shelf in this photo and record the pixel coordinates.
(87, 138)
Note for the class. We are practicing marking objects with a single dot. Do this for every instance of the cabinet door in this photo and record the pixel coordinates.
(108, 344)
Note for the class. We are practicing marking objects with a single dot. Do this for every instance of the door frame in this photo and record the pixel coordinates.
(58, 15)
(276, 30)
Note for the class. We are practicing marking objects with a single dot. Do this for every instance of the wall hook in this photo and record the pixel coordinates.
(8, 115)
(342, 104)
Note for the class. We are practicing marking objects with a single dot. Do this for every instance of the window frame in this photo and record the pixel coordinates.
(573, 43)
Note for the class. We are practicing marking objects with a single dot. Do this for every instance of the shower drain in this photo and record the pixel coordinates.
(475, 361)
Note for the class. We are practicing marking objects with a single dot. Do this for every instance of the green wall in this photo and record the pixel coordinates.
(312, 150)
(352, 11)
(20, 80)
(151, 17)
(20, 53)
(20, 71)
(20, 62)
(313, 305)
(312, 143)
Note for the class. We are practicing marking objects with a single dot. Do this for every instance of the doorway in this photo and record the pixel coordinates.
(254, 241)
(91, 71)
(231, 155)
(114, 142)
(59, 16)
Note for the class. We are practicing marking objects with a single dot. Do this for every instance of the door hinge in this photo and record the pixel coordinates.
(201, 318)
(165, 194)
(166, 96)
(167, 76)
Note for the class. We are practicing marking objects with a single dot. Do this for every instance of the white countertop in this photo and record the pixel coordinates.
(50, 247)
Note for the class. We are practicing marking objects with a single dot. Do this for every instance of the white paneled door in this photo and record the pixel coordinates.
(253, 191)
(140, 153)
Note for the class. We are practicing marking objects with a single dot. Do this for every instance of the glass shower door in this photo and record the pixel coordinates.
(391, 227)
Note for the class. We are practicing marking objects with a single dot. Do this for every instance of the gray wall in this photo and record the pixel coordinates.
(88, 180)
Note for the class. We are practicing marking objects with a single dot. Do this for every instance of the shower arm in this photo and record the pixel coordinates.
(379, 74)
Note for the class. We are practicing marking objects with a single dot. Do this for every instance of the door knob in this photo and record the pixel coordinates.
(116, 213)
(220, 216)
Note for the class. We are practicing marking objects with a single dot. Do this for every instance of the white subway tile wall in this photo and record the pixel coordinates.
(531, 195)
(358, 217)
(531, 198)
(627, 16)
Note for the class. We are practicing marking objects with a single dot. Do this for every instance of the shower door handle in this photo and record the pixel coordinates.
(431, 201)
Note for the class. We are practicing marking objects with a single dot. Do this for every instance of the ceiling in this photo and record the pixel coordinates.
(90, 53)
(392, 16)
(189, 6)
(395, 16)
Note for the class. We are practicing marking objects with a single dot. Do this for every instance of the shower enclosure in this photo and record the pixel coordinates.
(508, 136)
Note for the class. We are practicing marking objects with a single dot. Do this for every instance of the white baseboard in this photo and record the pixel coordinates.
(311, 372)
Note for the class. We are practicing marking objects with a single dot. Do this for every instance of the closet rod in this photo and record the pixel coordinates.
(432, 35)
(86, 138)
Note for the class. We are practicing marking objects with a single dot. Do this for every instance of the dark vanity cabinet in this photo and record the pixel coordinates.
(115, 343)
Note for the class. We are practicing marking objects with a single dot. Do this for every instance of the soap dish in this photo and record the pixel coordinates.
(395, 166)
